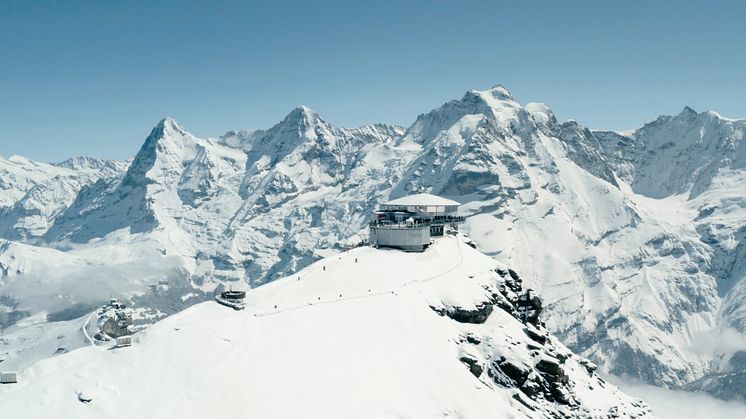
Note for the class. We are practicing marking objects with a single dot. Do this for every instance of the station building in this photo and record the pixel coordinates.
(409, 223)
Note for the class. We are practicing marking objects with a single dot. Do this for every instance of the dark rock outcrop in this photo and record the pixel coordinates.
(515, 372)
(529, 307)
(473, 365)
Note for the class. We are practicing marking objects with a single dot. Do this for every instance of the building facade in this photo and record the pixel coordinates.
(410, 222)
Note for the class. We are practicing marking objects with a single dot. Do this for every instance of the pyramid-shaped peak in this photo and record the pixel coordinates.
(170, 124)
(302, 114)
(305, 110)
(165, 127)
(300, 119)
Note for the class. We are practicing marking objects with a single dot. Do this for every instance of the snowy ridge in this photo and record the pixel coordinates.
(33, 194)
(355, 336)
(676, 154)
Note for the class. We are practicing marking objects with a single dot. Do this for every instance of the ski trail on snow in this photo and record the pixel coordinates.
(85, 329)
(370, 295)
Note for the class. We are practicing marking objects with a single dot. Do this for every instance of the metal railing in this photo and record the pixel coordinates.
(402, 226)
(418, 222)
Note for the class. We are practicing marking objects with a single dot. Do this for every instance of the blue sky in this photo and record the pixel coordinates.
(93, 77)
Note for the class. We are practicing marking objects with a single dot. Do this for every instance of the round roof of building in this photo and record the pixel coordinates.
(422, 199)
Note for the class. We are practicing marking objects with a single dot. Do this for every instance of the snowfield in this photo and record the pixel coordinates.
(353, 335)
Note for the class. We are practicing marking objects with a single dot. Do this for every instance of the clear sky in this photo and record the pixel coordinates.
(93, 77)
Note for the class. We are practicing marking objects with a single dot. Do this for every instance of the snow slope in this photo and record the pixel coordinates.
(354, 335)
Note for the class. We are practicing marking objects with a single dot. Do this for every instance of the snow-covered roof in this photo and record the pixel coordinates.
(422, 199)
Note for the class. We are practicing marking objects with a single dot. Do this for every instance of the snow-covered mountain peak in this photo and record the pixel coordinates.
(167, 139)
(135, 200)
(689, 115)
(168, 130)
(302, 130)
(541, 113)
(21, 160)
(496, 105)
(305, 111)
(79, 162)
(496, 101)
(303, 117)
(168, 125)
(675, 154)
(91, 163)
(300, 122)
(496, 92)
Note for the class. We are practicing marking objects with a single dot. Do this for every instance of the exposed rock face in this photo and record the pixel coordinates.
(473, 364)
(114, 320)
(477, 315)
(115, 328)
(529, 307)
(541, 377)
(523, 305)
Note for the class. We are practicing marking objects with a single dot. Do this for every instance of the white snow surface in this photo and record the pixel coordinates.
(353, 335)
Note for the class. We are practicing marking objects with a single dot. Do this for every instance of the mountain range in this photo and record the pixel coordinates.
(634, 240)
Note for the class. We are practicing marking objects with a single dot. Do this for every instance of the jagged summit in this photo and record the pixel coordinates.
(689, 112)
(77, 162)
(300, 122)
(304, 110)
(87, 163)
(302, 116)
(166, 137)
(166, 126)
(301, 126)
(495, 104)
